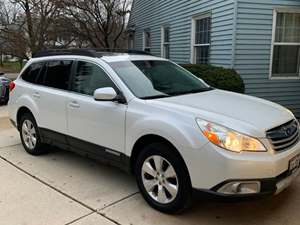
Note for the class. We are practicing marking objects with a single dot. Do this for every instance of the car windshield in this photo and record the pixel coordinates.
(157, 79)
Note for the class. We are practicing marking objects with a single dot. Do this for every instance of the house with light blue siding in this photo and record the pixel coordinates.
(258, 38)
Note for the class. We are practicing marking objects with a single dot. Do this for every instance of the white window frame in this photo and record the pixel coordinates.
(163, 43)
(144, 40)
(274, 43)
(131, 41)
(193, 33)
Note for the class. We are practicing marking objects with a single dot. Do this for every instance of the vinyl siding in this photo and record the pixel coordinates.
(253, 51)
(241, 37)
(178, 14)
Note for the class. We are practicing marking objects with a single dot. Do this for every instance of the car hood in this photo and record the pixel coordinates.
(246, 114)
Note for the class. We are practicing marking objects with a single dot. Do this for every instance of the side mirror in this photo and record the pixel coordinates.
(105, 94)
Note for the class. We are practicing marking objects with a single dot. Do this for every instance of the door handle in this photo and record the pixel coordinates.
(74, 105)
(36, 95)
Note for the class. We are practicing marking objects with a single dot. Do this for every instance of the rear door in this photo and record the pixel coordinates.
(101, 123)
(31, 88)
(51, 95)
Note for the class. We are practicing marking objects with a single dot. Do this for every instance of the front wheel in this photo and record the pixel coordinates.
(163, 179)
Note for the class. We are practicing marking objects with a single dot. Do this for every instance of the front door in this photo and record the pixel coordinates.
(96, 122)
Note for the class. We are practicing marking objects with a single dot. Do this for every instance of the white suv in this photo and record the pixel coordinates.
(155, 119)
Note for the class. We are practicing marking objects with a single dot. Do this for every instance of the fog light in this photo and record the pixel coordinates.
(240, 188)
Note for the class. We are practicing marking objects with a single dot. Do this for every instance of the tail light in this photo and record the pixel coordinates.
(12, 86)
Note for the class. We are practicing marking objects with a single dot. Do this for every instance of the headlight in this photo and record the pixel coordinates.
(229, 139)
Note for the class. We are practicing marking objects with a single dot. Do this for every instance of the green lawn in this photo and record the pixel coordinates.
(10, 67)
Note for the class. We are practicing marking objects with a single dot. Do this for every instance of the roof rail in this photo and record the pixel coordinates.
(54, 52)
(120, 50)
(90, 52)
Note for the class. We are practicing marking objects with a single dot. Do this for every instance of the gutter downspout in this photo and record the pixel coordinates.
(234, 30)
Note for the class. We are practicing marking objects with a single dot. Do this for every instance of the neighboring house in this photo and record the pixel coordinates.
(258, 38)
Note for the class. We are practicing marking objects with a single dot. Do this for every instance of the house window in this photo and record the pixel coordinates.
(201, 39)
(285, 60)
(131, 41)
(165, 44)
(147, 41)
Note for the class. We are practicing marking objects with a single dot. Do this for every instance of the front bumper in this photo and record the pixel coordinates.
(212, 166)
(269, 186)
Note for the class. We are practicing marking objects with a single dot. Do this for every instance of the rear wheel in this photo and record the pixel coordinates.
(163, 179)
(30, 135)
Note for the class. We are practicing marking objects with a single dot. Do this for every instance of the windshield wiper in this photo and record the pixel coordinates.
(192, 91)
(177, 93)
(155, 97)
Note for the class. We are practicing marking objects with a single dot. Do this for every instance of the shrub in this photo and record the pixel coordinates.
(218, 77)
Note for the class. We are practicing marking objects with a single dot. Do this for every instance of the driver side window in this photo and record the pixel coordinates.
(88, 77)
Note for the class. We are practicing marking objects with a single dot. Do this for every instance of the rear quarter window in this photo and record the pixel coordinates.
(32, 72)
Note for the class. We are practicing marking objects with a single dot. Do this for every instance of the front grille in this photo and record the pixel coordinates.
(284, 136)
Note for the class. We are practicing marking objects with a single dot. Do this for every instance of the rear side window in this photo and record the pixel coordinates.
(32, 72)
(88, 77)
(58, 74)
(41, 77)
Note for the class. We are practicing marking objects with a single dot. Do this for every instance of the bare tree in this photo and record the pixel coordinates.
(38, 15)
(12, 37)
(100, 22)
(26, 24)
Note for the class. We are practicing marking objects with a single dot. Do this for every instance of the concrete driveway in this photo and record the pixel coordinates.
(63, 188)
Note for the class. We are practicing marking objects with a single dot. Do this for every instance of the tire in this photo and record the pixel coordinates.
(32, 147)
(170, 200)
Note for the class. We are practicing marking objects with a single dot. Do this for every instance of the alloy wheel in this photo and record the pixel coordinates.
(160, 179)
(29, 134)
